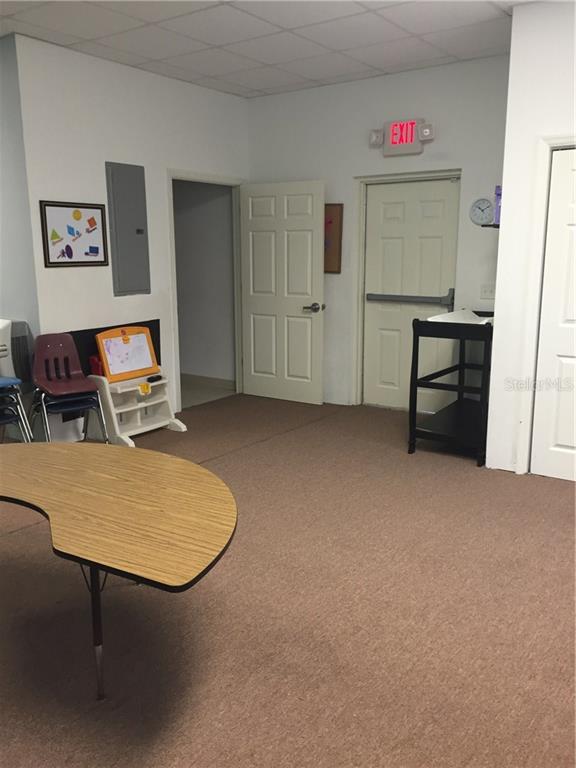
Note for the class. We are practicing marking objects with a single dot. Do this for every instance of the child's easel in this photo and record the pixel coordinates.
(133, 391)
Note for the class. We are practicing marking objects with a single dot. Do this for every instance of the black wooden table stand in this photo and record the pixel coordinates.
(464, 422)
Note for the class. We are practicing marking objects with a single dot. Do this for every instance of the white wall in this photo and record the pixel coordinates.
(18, 296)
(138, 117)
(540, 105)
(322, 133)
(205, 276)
(78, 112)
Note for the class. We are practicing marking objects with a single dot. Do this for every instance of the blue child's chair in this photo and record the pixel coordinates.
(11, 407)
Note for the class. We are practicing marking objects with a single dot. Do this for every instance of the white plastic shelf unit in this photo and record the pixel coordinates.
(128, 412)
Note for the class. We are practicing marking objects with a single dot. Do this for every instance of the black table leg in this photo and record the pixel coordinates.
(97, 627)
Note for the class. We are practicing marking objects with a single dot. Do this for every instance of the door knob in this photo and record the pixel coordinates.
(313, 307)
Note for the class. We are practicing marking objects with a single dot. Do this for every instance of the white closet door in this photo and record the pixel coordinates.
(553, 436)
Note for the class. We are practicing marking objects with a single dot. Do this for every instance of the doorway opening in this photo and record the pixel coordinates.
(204, 248)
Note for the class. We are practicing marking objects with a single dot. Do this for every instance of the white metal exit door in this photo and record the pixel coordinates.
(411, 240)
(554, 428)
(282, 256)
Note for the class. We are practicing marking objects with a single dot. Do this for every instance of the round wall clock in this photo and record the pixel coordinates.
(482, 211)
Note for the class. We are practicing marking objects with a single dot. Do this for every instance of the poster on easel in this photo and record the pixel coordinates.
(127, 353)
(73, 234)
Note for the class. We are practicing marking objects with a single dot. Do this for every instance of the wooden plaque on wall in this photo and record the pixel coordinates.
(333, 213)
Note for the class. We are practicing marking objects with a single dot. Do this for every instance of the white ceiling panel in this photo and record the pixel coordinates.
(423, 17)
(372, 5)
(8, 8)
(149, 11)
(212, 62)
(162, 68)
(276, 49)
(220, 25)
(427, 64)
(298, 14)
(327, 65)
(397, 54)
(10, 25)
(487, 38)
(226, 87)
(112, 54)
(80, 19)
(366, 29)
(351, 77)
(265, 78)
(268, 46)
(153, 42)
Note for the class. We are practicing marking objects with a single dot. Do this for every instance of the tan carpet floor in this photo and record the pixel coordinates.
(374, 610)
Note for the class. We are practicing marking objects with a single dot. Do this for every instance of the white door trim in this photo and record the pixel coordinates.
(225, 181)
(535, 266)
(362, 184)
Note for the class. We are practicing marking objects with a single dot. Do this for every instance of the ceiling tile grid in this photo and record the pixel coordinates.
(263, 46)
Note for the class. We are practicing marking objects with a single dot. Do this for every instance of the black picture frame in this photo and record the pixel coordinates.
(58, 249)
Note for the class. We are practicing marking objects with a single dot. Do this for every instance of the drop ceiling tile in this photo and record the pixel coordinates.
(79, 19)
(372, 5)
(298, 14)
(291, 88)
(396, 53)
(424, 17)
(351, 77)
(265, 78)
(152, 42)
(212, 62)
(277, 49)
(154, 11)
(161, 68)
(227, 87)
(10, 25)
(327, 65)
(485, 39)
(8, 8)
(353, 32)
(220, 25)
(104, 52)
(428, 64)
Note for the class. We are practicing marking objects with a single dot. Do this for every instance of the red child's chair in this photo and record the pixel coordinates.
(61, 386)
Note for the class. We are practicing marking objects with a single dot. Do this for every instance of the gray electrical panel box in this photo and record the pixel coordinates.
(128, 228)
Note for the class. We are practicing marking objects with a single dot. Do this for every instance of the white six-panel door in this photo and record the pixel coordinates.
(282, 256)
(411, 241)
(553, 436)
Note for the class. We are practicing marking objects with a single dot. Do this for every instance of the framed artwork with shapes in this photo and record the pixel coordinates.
(73, 234)
(333, 213)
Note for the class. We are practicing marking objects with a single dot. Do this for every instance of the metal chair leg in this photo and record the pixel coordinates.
(23, 417)
(100, 413)
(85, 426)
(23, 432)
(45, 419)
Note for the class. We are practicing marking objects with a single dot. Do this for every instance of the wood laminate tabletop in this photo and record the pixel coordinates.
(138, 513)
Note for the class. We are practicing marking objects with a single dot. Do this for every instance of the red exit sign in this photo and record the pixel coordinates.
(401, 137)
(402, 132)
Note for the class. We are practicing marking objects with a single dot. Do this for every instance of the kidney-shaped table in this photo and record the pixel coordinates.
(147, 516)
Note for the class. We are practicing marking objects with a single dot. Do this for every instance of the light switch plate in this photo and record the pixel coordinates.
(487, 291)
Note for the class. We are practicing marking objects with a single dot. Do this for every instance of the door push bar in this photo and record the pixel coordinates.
(398, 298)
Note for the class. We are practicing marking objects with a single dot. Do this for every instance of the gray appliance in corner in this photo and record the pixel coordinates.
(128, 228)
